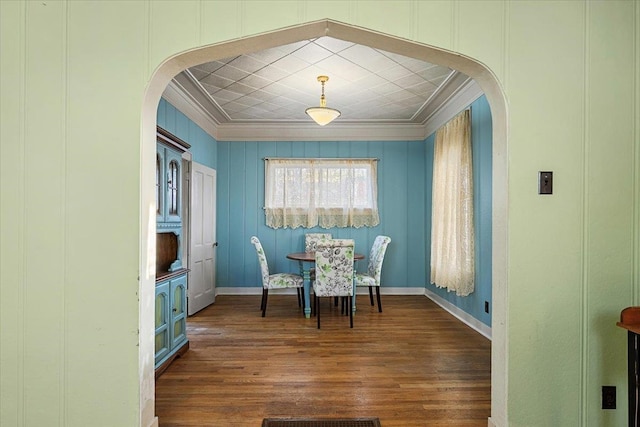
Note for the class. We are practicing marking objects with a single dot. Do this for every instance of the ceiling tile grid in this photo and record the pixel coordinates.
(278, 84)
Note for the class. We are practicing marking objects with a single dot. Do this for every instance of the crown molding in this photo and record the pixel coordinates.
(182, 100)
(455, 96)
(448, 103)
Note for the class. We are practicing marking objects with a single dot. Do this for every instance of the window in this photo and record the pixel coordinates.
(321, 192)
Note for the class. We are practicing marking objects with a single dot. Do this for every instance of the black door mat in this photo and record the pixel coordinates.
(321, 422)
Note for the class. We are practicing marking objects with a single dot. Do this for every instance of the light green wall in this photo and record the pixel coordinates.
(73, 76)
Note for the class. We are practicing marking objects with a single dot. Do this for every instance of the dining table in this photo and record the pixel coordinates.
(306, 261)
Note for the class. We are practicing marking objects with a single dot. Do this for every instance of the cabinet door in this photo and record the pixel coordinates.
(163, 341)
(173, 193)
(160, 183)
(178, 328)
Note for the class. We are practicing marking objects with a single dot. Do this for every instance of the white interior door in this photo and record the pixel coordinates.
(202, 259)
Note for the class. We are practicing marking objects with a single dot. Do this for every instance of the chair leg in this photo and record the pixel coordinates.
(371, 295)
(317, 304)
(350, 311)
(298, 293)
(335, 301)
(378, 297)
(265, 295)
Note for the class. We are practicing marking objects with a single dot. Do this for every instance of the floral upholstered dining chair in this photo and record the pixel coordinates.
(374, 269)
(311, 243)
(334, 273)
(277, 280)
(311, 240)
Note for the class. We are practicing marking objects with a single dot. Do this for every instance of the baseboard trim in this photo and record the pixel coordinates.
(385, 290)
(462, 315)
(154, 422)
(490, 423)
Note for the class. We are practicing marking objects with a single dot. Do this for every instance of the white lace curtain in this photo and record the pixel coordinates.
(321, 192)
(452, 231)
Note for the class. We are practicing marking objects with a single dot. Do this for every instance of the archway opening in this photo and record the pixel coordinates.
(469, 66)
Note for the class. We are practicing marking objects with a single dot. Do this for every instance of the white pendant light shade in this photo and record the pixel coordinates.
(322, 115)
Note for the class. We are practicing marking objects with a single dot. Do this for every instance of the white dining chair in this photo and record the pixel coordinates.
(334, 273)
(371, 278)
(277, 280)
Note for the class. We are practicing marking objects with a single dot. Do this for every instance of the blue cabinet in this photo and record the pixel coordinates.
(171, 278)
(170, 318)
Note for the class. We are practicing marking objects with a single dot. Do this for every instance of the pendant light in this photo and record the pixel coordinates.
(322, 115)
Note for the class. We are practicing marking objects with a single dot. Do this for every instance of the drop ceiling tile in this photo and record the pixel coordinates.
(216, 81)
(400, 95)
(231, 72)
(333, 45)
(343, 68)
(197, 74)
(250, 100)
(409, 80)
(385, 88)
(268, 56)
(277, 89)
(225, 95)
(439, 80)
(312, 53)
(423, 89)
(367, 58)
(292, 47)
(434, 73)
(234, 107)
(271, 73)
(416, 65)
(290, 64)
(240, 88)
(247, 64)
(255, 81)
(209, 67)
(394, 73)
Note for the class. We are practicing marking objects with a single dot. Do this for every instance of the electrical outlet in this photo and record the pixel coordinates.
(608, 397)
(545, 182)
(486, 306)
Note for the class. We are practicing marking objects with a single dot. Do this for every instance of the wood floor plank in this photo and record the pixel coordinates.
(411, 365)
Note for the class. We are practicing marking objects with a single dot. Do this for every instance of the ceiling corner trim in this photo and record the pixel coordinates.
(452, 105)
(180, 99)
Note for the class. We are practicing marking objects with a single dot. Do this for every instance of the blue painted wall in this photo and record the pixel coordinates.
(401, 201)
(481, 140)
(203, 146)
(404, 198)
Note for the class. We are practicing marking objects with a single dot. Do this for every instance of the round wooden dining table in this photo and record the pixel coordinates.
(306, 260)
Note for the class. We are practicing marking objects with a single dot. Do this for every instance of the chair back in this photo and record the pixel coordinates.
(311, 240)
(376, 256)
(262, 259)
(334, 268)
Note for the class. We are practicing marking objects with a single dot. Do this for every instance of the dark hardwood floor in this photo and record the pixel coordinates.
(411, 365)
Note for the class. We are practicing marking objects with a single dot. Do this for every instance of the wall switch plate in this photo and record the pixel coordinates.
(608, 397)
(545, 182)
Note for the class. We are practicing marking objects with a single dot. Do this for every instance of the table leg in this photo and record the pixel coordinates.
(354, 290)
(306, 275)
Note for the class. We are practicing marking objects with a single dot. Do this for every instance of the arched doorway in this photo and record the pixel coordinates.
(482, 75)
